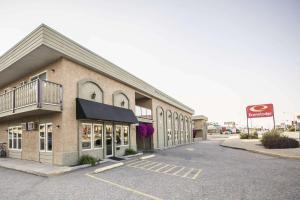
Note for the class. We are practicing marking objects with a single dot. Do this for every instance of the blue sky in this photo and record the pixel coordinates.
(215, 56)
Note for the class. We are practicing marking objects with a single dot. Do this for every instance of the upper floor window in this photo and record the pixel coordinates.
(42, 76)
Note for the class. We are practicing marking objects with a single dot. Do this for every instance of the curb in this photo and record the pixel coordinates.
(147, 157)
(263, 153)
(102, 169)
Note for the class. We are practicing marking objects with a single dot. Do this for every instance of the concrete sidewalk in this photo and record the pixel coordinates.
(37, 168)
(254, 145)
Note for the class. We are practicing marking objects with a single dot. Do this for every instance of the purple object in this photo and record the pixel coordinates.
(150, 130)
(142, 130)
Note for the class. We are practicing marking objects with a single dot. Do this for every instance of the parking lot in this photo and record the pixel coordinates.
(202, 170)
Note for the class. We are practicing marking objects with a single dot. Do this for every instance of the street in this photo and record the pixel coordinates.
(202, 170)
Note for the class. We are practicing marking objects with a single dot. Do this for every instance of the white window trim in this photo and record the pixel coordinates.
(92, 136)
(30, 79)
(122, 135)
(45, 138)
(15, 149)
(92, 146)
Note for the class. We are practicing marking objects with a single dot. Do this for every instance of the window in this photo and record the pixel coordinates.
(15, 138)
(86, 140)
(46, 136)
(92, 136)
(126, 134)
(118, 133)
(42, 76)
(98, 134)
(122, 135)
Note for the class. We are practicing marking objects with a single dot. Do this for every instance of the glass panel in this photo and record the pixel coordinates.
(49, 141)
(86, 136)
(14, 146)
(49, 137)
(10, 138)
(19, 140)
(98, 131)
(118, 135)
(109, 144)
(126, 134)
(42, 144)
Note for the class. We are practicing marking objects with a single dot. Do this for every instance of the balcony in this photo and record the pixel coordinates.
(143, 114)
(38, 96)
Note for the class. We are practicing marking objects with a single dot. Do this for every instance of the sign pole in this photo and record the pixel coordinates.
(248, 125)
(274, 120)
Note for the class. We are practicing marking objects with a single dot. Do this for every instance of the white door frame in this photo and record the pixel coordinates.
(112, 141)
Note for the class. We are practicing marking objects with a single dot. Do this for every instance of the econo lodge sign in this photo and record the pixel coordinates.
(263, 110)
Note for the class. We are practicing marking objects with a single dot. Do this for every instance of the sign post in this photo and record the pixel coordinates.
(259, 111)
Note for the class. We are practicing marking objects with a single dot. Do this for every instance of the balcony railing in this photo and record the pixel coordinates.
(143, 112)
(37, 93)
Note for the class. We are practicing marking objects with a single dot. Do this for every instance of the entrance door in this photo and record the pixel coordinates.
(109, 140)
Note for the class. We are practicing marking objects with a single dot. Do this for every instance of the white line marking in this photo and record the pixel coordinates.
(125, 188)
(140, 164)
(102, 169)
(145, 166)
(196, 175)
(170, 169)
(185, 175)
(135, 163)
(158, 170)
(155, 166)
(177, 172)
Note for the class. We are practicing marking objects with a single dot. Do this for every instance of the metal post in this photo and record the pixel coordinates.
(274, 121)
(248, 125)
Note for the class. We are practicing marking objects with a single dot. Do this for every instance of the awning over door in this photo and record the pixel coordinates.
(86, 109)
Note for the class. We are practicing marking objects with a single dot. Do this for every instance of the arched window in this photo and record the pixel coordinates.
(160, 127)
(120, 100)
(90, 90)
(169, 127)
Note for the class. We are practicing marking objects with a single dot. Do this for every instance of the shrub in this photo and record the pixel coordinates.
(273, 140)
(249, 136)
(130, 152)
(87, 159)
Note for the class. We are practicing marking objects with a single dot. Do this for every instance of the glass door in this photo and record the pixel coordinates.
(109, 140)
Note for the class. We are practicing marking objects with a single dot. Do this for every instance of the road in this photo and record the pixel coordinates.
(202, 170)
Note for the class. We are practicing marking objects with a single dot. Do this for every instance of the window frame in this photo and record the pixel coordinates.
(37, 75)
(45, 138)
(18, 131)
(92, 136)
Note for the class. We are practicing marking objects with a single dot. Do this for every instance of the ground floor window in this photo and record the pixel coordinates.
(91, 136)
(122, 135)
(169, 135)
(15, 137)
(46, 137)
(176, 135)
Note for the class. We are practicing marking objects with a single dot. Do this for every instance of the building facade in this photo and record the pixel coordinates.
(199, 127)
(59, 101)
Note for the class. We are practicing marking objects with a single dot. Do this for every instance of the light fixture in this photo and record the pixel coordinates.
(122, 103)
(93, 95)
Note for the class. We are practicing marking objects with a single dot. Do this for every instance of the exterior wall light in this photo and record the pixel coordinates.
(123, 103)
(93, 95)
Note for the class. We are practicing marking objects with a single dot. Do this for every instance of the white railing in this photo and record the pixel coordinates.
(143, 112)
(37, 92)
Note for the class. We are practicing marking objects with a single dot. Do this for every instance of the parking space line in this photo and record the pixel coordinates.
(187, 173)
(134, 162)
(197, 174)
(177, 172)
(124, 187)
(155, 166)
(170, 169)
(158, 170)
(151, 164)
(140, 164)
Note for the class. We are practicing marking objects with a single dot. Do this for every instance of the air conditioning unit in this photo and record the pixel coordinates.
(31, 126)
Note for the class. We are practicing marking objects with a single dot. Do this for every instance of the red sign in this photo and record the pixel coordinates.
(263, 110)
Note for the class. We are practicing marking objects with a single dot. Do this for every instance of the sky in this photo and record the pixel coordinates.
(216, 56)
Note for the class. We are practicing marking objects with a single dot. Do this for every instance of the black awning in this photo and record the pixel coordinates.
(86, 109)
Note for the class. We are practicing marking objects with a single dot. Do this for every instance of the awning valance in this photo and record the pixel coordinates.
(86, 109)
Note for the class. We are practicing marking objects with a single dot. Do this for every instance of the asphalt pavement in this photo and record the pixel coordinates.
(202, 170)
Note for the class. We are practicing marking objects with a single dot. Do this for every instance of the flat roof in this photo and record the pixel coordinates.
(45, 45)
